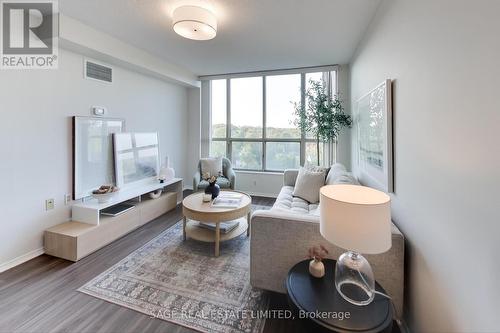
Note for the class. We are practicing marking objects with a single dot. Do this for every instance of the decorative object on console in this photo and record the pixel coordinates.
(166, 172)
(322, 115)
(356, 218)
(374, 138)
(316, 266)
(156, 194)
(213, 188)
(104, 193)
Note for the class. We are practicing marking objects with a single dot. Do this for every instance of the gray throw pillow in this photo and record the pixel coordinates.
(308, 184)
(211, 166)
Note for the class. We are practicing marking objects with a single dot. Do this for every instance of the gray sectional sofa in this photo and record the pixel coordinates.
(281, 237)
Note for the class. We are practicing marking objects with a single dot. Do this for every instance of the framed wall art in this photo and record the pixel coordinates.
(373, 121)
(93, 163)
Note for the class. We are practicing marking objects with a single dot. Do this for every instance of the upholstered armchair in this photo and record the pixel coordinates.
(227, 180)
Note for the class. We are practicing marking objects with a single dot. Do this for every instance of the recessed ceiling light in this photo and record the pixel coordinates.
(195, 22)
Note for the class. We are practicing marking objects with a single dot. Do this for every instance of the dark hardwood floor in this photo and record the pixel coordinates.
(40, 295)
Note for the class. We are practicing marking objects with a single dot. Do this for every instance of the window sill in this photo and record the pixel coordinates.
(250, 172)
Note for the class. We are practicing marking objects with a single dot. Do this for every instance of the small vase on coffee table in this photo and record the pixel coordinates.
(213, 188)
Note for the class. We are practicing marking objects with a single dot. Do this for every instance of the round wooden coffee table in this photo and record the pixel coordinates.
(195, 210)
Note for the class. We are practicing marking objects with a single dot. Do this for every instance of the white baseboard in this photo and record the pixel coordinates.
(21, 259)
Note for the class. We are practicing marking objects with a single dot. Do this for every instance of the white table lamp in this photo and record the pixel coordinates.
(358, 219)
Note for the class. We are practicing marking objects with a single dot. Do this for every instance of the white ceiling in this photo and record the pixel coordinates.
(252, 34)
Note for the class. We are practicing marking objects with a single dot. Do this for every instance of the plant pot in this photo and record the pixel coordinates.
(213, 189)
(317, 268)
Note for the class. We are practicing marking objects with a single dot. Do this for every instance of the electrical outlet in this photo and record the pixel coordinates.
(67, 199)
(254, 183)
(49, 204)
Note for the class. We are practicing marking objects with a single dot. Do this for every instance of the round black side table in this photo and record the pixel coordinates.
(318, 300)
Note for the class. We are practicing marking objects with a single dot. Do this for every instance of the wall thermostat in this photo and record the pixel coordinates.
(98, 111)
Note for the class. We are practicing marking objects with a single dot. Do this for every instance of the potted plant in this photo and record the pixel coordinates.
(322, 115)
(316, 266)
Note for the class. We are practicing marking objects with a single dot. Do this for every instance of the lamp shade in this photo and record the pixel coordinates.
(356, 218)
(194, 22)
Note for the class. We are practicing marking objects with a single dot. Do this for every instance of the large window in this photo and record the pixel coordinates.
(218, 106)
(246, 107)
(253, 120)
(281, 90)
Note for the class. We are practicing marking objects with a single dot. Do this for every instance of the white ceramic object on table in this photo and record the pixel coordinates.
(317, 268)
(166, 172)
(156, 194)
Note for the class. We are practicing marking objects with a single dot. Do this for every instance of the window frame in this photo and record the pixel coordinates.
(303, 140)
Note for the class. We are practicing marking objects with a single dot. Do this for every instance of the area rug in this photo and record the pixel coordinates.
(182, 282)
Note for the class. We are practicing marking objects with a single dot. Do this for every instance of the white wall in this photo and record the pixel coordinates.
(443, 57)
(35, 134)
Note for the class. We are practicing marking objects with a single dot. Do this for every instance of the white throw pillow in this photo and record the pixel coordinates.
(335, 171)
(308, 184)
(346, 178)
(211, 166)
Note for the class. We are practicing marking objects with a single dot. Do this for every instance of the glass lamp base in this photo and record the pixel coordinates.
(354, 278)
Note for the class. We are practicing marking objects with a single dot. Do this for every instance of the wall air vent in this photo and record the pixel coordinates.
(98, 72)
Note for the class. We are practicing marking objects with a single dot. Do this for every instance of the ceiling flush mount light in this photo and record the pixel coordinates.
(195, 22)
